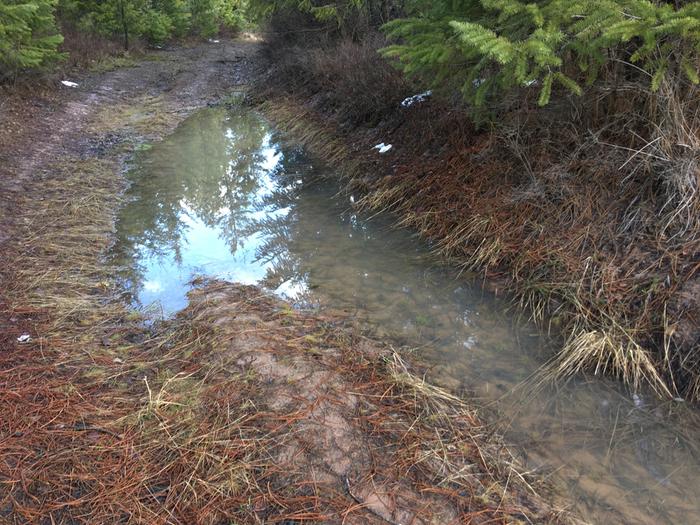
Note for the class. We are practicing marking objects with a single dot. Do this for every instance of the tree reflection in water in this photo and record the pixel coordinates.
(213, 198)
(224, 198)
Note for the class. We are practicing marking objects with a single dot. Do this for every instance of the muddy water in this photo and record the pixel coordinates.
(226, 196)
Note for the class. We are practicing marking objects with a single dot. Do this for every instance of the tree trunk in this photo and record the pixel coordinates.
(125, 25)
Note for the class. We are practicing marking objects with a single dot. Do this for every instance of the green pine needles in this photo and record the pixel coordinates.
(28, 35)
(489, 47)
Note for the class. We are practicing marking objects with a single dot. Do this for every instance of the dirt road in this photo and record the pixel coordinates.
(241, 409)
(40, 125)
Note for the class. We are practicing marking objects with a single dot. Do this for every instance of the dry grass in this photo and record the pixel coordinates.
(89, 50)
(568, 225)
(346, 79)
(214, 416)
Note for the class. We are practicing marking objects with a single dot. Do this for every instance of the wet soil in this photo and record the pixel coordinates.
(38, 125)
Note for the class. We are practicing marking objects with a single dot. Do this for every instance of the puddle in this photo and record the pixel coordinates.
(227, 197)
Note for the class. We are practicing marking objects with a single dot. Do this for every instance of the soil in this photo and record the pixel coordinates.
(241, 409)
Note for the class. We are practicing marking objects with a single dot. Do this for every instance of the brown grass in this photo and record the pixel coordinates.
(212, 417)
(89, 50)
(593, 233)
(346, 79)
(107, 420)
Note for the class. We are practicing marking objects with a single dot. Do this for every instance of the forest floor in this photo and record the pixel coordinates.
(240, 409)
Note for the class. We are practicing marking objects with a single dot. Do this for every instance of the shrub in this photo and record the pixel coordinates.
(178, 13)
(339, 18)
(157, 26)
(347, 79)
(204, 19)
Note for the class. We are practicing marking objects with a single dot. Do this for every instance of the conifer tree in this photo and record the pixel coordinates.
(488, 47)
(28, 35)
(341, 14)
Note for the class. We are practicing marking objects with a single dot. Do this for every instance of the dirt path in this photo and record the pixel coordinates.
(103, 118)
(239, 410)
(38, 127)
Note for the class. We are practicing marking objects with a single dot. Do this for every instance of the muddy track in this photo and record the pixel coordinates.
(94, 121)
(38, 126)
(239, 409)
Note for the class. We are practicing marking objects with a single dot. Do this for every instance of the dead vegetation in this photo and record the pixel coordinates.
(586, 212)
(89, 50)
(239, 410)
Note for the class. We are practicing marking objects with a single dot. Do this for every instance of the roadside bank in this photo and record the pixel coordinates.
(577, 241)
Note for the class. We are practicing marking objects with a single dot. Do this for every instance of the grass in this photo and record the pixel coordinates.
(111, 63)
(579, 251)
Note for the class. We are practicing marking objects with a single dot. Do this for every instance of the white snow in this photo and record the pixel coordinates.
(638, 402)
(383, 148)
(68, 83)
(420, 97)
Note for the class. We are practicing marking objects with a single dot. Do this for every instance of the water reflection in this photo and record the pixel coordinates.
(225, 197)
(194, 206)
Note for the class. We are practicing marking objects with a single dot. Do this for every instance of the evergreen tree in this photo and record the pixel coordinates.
(491, 46)
(155, 20)
(28, 35)
(178, 13)
(341, 15)
(126, 19)
(204, 17)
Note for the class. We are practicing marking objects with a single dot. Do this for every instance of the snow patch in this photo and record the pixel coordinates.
(637, 400)
(420, 97)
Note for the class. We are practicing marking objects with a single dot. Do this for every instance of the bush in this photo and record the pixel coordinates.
(231, 14)
(154, 20)
(347, 79)
(343, 19)
(178, 12)
(204, 19)
(158, 26)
